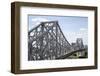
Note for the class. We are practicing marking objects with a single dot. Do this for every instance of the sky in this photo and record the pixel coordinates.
(73, 27)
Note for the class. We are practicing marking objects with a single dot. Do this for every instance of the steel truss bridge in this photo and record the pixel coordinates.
(47, 42)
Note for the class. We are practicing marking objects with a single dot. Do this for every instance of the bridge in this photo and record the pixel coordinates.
(47, 42)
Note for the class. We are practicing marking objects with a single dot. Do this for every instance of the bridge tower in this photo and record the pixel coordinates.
(80, 45)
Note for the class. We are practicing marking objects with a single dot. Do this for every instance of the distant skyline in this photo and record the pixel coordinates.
(73, 27)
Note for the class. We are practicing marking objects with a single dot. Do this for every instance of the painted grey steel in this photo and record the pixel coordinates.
(47, 42)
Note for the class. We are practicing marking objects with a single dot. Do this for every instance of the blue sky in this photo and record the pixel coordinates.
(72, 26)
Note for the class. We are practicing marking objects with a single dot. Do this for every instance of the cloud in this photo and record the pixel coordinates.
(72, 36)
(36, 21)
(83, 29)
(39, 19)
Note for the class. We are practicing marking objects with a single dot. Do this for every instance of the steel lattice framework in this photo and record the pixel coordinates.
(47, 41)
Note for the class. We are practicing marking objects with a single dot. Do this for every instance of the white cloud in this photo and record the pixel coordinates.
(83, 29)
(37, 21)
(72, 36)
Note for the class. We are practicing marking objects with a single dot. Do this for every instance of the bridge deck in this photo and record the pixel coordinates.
(69, 54)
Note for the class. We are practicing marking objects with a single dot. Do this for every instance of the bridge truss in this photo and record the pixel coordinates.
(47, 42)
